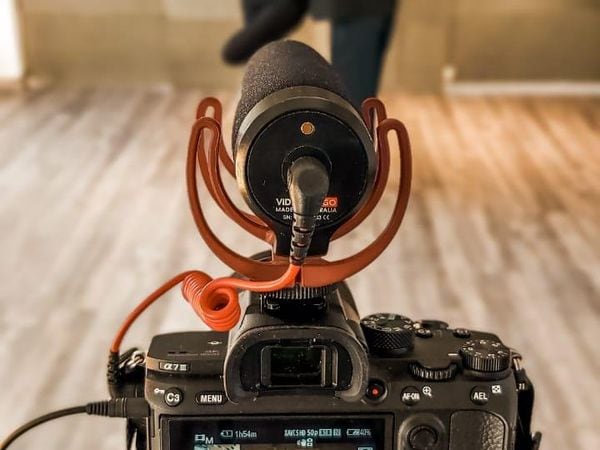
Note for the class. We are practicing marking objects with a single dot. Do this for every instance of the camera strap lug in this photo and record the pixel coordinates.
(526, 440)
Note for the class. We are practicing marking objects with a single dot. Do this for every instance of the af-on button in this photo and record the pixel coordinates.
(410, 396)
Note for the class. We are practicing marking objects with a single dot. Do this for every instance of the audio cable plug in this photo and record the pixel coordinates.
(308, 184)
(130, 408)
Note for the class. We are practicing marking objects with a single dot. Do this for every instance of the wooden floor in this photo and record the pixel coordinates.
(502, 234)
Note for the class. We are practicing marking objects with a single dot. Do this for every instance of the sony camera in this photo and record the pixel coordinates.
(309, 374)
(300, 369)
(289, 364)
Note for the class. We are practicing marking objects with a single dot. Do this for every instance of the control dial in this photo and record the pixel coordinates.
(388, 334)
(485, 355)
(432, 373)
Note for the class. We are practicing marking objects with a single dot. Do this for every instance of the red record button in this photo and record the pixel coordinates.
(375, 390)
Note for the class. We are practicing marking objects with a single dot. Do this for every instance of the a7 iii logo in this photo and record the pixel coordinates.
(174, 367)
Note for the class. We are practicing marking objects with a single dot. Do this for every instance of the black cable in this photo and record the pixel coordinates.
(308, 184)
(118, 407)
(40, 420)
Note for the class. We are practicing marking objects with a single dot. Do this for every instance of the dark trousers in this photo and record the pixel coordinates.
(357, 51)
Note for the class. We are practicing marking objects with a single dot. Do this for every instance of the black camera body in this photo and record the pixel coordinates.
(301, 370)
(309, 374)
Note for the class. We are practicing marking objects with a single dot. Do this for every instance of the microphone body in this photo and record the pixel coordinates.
(294, 105)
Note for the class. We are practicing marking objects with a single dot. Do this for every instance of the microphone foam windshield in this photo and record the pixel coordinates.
(280, 65)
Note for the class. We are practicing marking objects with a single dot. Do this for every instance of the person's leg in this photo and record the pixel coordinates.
(358, 48)
(252, 8)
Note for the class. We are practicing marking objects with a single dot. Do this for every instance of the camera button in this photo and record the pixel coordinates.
(173, 397)
(211, 398)
(410, 396)
(462, 333)
(422, 438)
(480, 395)
(424, 333)
(376, 390)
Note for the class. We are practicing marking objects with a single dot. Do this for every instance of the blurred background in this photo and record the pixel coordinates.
(502, 103)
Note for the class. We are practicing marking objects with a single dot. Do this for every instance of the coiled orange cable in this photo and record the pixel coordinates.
(216, 301)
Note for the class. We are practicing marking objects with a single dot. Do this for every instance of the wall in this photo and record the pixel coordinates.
(479, 40)
(526, 39)
(127, 40)
(152, 41)
(11, 64)
(179, 41)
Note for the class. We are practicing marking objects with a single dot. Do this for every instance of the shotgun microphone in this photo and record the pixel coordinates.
(295, 116)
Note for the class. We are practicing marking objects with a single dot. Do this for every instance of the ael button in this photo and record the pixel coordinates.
(376, 390)
(480, 395)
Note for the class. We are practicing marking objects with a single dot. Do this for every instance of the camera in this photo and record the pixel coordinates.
(313, 375)
(288, 363)
(300, 369)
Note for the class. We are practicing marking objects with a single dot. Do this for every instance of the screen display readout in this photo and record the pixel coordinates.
(277, 433)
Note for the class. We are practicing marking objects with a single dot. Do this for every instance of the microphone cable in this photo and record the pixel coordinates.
(129, 408)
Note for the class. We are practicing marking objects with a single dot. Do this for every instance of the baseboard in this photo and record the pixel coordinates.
(527, 88)
(11, 84)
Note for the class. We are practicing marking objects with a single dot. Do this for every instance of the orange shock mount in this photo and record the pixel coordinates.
(216, 300)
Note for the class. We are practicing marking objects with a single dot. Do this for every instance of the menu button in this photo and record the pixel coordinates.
(211, 398)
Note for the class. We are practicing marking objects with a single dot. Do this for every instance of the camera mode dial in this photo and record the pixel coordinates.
(388, 334)
(485, 355)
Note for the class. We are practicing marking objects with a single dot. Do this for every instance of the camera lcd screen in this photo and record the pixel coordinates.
(277, 433)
